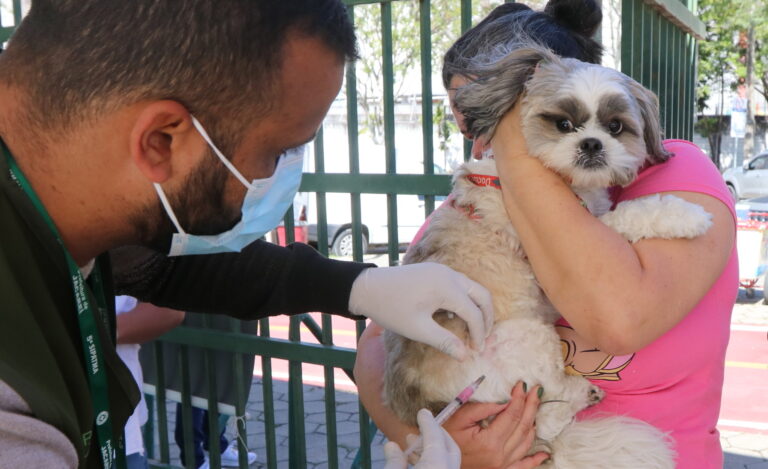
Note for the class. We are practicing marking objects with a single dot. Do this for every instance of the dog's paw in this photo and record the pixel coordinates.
(595, 395)
(658, 216)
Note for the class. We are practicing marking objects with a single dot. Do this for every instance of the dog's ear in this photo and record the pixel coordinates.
(649, 110)
(495, 86)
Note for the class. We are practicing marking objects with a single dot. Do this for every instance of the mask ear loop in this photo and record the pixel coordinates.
(221, 156)
(168, 209)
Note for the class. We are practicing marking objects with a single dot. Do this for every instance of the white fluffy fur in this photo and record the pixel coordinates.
(523, 345)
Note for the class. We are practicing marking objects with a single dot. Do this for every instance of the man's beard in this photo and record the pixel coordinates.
(199, 206)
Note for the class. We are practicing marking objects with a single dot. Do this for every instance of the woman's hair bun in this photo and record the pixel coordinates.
(580, 16)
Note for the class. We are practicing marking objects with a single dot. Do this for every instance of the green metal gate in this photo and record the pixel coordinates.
(659, 49)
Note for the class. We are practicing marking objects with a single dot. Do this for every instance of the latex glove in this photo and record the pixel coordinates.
(440, 451)
(403, 299)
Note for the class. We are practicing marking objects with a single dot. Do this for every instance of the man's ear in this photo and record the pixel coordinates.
(162, 139)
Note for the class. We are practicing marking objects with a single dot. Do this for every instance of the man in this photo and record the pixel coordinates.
(167, 125)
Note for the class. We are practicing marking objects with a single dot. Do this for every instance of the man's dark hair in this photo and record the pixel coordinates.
(565, 26)
(220, 58)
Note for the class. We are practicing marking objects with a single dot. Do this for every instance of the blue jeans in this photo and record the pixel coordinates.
(136, 461)
(200, 435)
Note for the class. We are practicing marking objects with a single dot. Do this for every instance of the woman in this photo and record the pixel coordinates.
(656, 312)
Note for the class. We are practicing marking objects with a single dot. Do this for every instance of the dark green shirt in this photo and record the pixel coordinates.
(41, 354)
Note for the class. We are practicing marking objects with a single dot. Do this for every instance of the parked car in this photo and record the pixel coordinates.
(375, 227)
(751, 180)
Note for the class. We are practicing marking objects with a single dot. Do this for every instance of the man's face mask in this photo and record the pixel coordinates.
(264, 205)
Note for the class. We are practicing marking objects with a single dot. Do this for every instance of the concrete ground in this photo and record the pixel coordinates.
(748, 449)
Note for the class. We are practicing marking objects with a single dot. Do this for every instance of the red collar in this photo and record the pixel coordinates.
(484, 180)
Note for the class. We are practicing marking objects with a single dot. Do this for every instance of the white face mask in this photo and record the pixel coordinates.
(264, 205)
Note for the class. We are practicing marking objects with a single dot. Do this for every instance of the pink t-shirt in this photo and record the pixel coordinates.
(676, 382)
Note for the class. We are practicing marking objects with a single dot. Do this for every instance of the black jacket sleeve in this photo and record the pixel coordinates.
(262, 280)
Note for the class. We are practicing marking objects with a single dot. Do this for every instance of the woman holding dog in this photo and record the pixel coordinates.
(655, 313)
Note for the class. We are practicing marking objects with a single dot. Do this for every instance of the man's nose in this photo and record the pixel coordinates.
(479, 146)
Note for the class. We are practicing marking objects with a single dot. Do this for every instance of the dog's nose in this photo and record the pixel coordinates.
(591, 145)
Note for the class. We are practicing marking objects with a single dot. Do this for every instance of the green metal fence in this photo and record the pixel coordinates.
(658, 49)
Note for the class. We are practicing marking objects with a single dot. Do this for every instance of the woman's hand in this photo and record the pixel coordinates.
(506, 441)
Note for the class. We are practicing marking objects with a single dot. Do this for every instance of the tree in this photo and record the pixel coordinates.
(736, 49)
(717, 55)
(446, 28)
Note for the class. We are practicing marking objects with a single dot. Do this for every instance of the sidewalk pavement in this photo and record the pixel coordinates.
(743, 450)
(747, 450)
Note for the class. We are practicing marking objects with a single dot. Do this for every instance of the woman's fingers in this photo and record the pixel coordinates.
(521, 412)
(517, 449)
(529, 462)
(472, 413)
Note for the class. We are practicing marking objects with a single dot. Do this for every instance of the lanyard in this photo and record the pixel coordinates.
(86, 316)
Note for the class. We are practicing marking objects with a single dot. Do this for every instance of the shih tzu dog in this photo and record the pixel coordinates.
(597, 128)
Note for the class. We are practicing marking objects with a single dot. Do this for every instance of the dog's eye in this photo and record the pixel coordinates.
(564, 125)
(615, 127)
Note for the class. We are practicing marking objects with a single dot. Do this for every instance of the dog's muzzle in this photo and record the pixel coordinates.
(591, 154)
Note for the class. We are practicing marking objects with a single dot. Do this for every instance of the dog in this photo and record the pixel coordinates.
(597, 128)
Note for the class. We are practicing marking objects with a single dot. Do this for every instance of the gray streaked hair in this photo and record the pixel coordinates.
(497, 79)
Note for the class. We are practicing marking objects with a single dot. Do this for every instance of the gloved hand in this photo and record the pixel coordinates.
(440, 451)
(403, 299)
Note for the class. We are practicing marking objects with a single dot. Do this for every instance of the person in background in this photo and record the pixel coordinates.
(138, 323)
(222, 364)
(230, 455)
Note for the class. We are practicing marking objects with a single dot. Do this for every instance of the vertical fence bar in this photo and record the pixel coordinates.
(389, 126)
(678, 82)
(296, 441)
(330, 398)
(427, 127)
(148, 432)
(627, 26)
(665, 56)
(162, 405)
(672, 85)
(354, 153)
(322, 217)
(213, 408)
(240, 401)
(364, 424)
(692, 51)
(689, 70)
(269, 401)
(186, 410)
(17, 12)
(646, 69)
(289, 225)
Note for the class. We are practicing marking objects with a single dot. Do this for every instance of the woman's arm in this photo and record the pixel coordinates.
(619, 296)
(503, 444)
